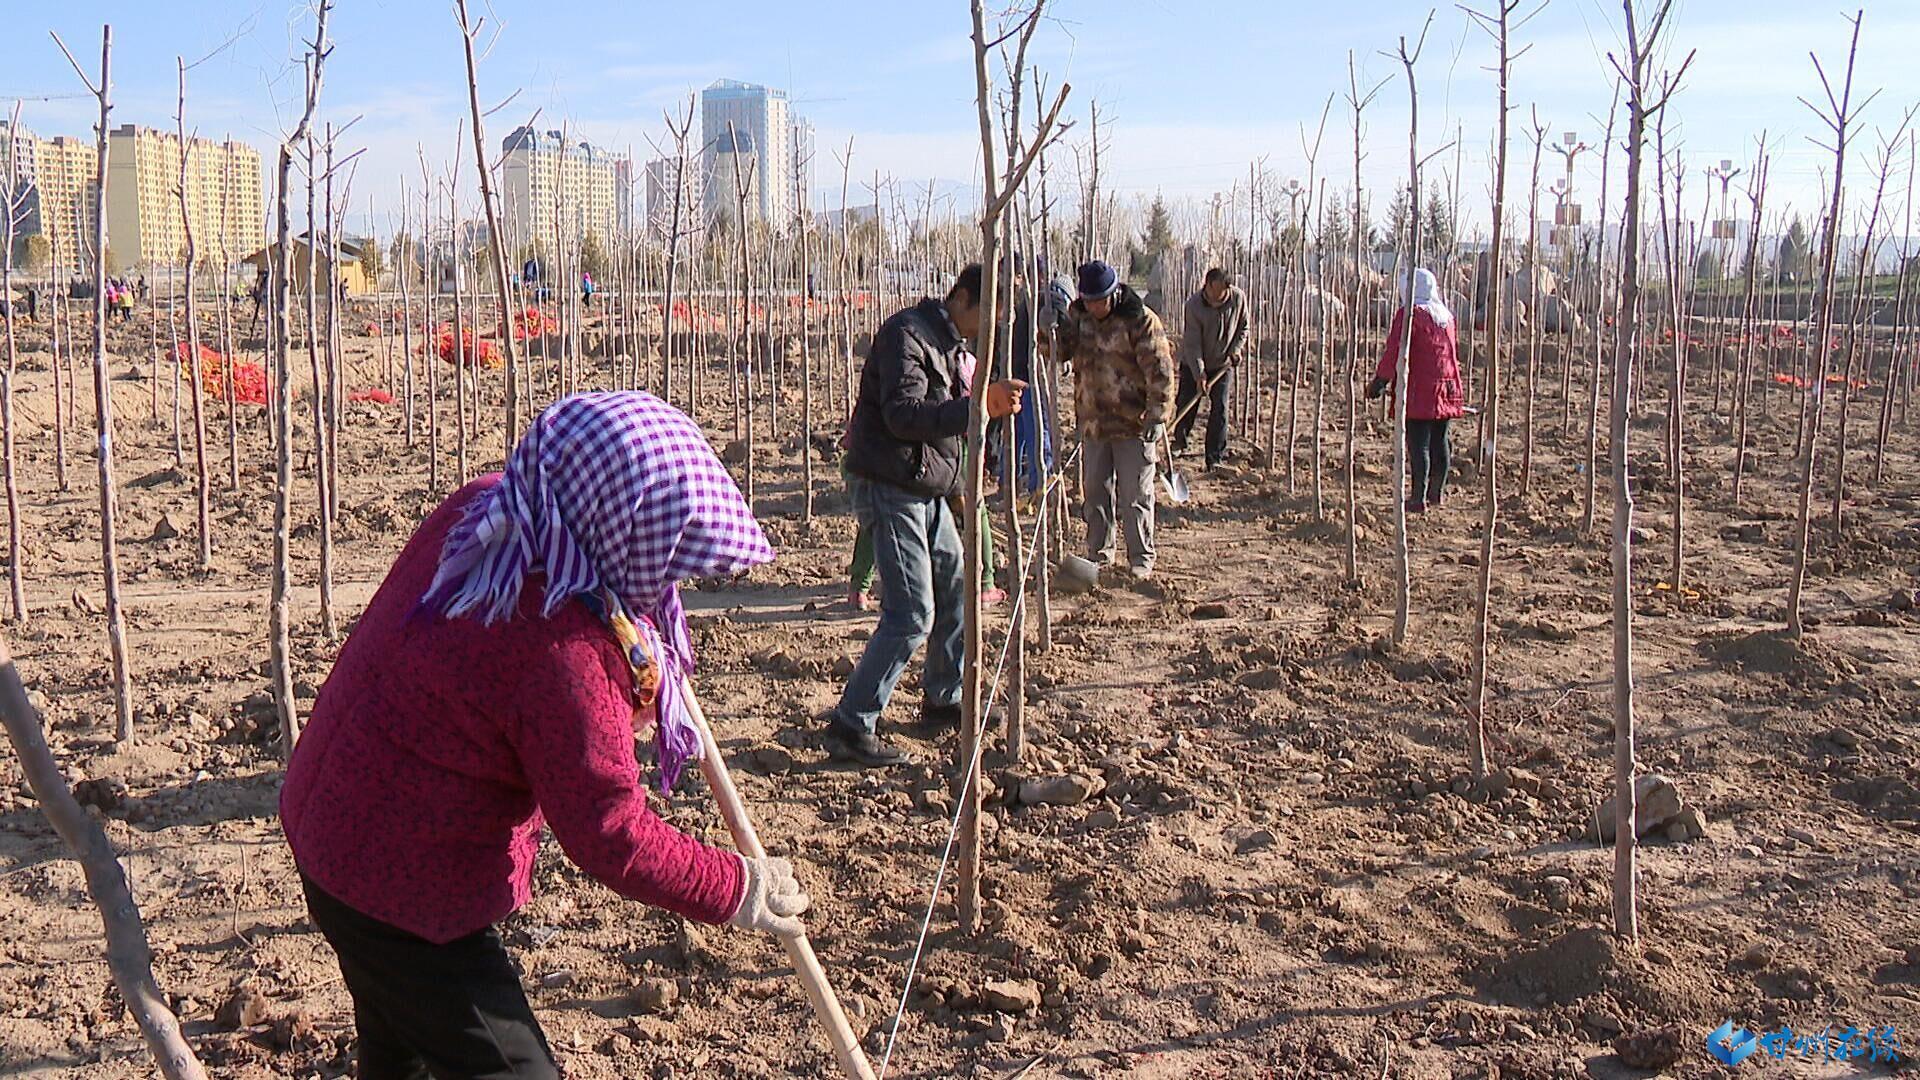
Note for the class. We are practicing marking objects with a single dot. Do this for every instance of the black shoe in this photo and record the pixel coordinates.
(864, 748)
(940, 716)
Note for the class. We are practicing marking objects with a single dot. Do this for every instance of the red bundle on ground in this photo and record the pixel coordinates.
(1794, 381)
(372, 329)
(249, 379)
(533, 323)
(469, 351)
(378, 397)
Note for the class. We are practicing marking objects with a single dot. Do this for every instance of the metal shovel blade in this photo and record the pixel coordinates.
(1174, 482)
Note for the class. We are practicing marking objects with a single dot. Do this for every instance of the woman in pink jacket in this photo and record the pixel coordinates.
(492, 691)
(1434, 395)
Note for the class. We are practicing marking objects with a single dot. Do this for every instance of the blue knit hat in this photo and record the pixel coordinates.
(1098, 281)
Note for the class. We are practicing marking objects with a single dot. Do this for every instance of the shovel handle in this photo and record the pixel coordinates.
(806, 966)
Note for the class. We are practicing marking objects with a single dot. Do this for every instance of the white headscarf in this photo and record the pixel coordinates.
(1426, 294)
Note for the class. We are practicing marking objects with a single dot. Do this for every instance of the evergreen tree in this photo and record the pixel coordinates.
(371, 258)
(593, 256)
(1790, 261)
(1158, 239)
(1438, 227)
(1397, 216)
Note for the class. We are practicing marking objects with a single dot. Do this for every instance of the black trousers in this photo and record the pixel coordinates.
(449, 1012)
(1427, 446)
(1184, 407)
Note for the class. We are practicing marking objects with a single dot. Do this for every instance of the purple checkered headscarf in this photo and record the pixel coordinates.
(611, 495)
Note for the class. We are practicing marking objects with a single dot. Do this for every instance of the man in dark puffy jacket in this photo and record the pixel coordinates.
(903, 455)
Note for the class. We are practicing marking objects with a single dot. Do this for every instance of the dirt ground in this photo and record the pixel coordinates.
(1279, 869)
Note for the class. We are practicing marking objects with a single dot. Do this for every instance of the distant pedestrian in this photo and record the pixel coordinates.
(1434, 394)
(1210, 349)
(1123, 395)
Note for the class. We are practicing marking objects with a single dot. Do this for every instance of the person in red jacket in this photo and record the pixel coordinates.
(1434, 395)
(493, 688)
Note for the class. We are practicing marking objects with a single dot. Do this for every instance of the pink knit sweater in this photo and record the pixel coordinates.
(438, 748)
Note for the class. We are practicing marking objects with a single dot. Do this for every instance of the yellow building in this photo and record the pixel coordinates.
(351, 272)
(64, 172)
(143, 206)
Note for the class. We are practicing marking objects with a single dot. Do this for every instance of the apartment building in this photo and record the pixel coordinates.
(545, 174)
(222, 184)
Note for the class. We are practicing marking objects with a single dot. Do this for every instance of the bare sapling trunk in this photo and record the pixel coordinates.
(430, 337)
(487, 205)
(741, 182)
(12, 209)
(461, 352)
(173, 341)
(322, 500)
(1534, 320)
(1743, 378)
(103, 395)
(679, 129)
(1863, 322)
(1670, 242)
(58, 318)
(202, 485)
(1321, 358)
(1599, 325)
(1500, 26)
(129, 958)
(999, 193)
(403, 270)
(1634, 75)
(1839, 117)
(1403, 570)
(227, 366)
(1355, 365)
(1899, 318)
(803, 227)
(279, 610)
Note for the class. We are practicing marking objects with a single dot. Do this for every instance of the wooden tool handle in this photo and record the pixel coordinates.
(813, 979)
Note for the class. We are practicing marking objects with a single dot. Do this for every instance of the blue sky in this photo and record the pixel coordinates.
(1195, 91)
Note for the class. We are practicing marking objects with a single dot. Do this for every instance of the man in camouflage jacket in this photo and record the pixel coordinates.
(1123, 395)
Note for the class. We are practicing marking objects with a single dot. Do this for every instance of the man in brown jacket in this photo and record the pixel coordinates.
(1123, 395)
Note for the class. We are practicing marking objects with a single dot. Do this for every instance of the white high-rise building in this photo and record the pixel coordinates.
(764, 120)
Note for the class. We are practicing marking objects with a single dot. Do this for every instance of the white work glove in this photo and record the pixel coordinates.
(772, 901)
(1153, 433)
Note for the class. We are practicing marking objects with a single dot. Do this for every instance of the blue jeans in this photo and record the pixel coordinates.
(916, 548)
